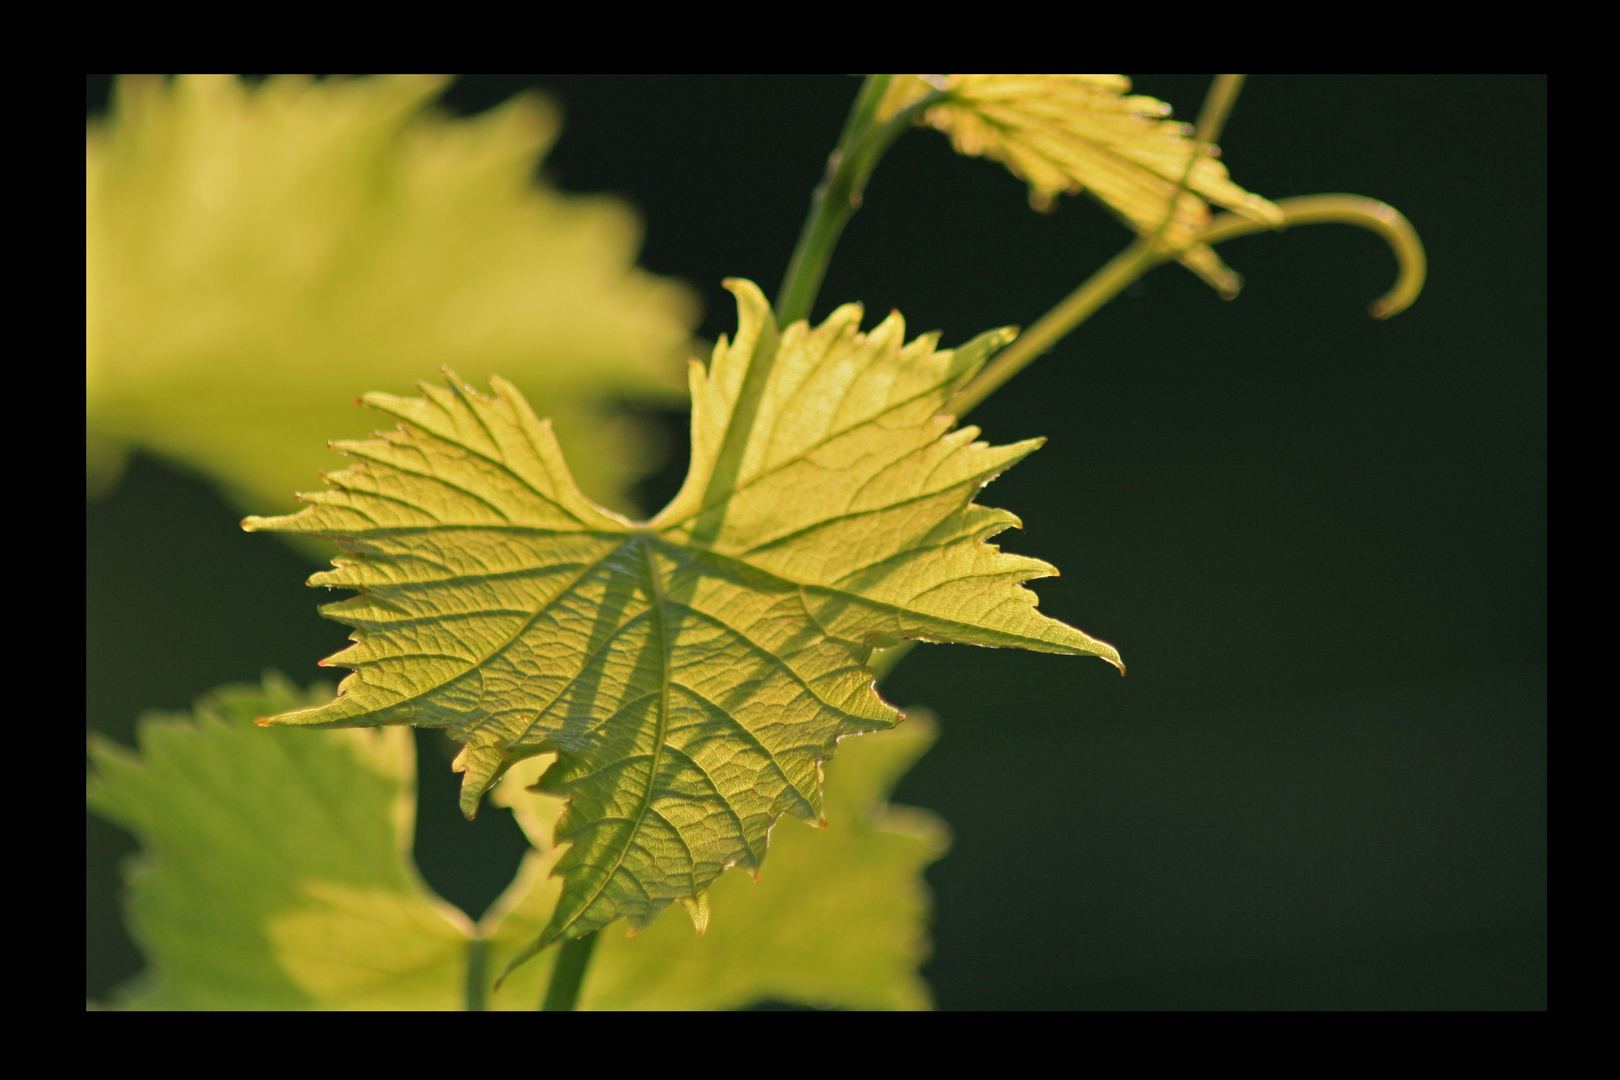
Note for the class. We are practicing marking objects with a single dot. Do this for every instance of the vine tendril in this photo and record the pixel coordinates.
(1381, 218)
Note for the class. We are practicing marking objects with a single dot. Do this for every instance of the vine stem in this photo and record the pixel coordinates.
(836, 199)
(1098, 289)
(573, 958)
(477, 992)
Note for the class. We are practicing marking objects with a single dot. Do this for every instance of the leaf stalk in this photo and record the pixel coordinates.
(477, 991)
(573, 958)
(1223, 94)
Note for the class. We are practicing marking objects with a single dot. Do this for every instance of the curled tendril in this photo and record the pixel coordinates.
(1381, 218)
(1145, 254)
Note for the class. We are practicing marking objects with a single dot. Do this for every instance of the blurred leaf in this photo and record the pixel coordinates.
(275, 870)
(259, 256)
(1064, 134)
(275, 874)
(692, 673)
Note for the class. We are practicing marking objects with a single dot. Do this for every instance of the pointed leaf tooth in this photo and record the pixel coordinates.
(697, 907)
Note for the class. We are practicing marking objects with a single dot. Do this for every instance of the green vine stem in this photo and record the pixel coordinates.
(477, 993)
(835, 201)
(573, 957)
(1217, 106)
(1076, 308)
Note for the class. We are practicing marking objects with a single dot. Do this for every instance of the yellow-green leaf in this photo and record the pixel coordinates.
(275, 870)
(257, 257)
(1064, 134)
(275, 874)
(838, 917)
(693, 672)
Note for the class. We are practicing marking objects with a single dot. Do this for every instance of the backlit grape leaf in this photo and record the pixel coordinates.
(1064, 134)
(258, 256)
(275, 873)
(837, 918)
(693, 672)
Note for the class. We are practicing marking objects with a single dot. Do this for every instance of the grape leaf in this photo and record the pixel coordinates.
(1064, 134)
(275, 874)
(275, 869)
(837, 919)
(259, 256)
(693, 672)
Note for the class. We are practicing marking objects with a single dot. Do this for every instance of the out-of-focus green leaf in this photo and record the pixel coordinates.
(838, 917)
(1064, 134)
(257, 257)
(275, 868)
(692, 673)
(275, 873)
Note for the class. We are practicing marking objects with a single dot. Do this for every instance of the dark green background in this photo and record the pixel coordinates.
(1318, 540)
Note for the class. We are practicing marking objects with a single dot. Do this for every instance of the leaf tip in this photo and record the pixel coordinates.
(742, 288)
(457, 383)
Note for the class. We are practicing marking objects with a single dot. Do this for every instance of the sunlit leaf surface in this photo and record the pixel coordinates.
(257, 257)
(275, 874)
(1064, 134)
(692, 673)
(838, 917)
